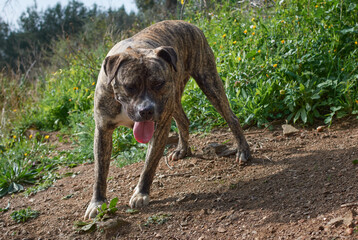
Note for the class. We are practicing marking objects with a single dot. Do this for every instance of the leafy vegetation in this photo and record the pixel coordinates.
(104, 212)
(23, 215)
(295, 61)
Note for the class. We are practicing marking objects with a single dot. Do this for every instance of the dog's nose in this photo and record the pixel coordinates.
(146, 112)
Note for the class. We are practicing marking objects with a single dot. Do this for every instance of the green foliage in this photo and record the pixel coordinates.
(295, 61)
(23, 215)
(158, 219)
(104, 213)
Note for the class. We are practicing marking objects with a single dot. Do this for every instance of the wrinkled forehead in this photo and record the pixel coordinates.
(141, 69)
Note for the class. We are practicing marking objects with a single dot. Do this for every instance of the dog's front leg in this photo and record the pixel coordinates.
(102, 154)
(154, 153)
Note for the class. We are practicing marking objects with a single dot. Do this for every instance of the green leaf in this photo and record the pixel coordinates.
(113, 203)
(303, 115)
(355, 161)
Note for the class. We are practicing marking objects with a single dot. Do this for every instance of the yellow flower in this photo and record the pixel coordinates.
(252, 19)
(93, 83)
(224, 36)
(335, 50)
(47, 137)
(316, 6)
(14, 110)
(329, 51)
(214, 43)
(70, 99)
(182, 2)
(355, 42)
(245, 31)
(75, 88)
(342, 69)
(259, 51)
(234, 42)
(357, 101)
(282, 41)
(239, 58)
(253, 33)
(25, 154)
(267, 75)
(221, 46)
(253, 58)
(14, 137)
(30, 136)
(282, 21)
(253, 27)
(275, 65)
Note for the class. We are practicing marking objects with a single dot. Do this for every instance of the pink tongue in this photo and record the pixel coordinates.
(143, 131)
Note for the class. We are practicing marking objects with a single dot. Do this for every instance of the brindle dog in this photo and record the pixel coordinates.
(140, 86)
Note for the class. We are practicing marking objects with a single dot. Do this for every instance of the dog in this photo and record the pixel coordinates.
(140, 86)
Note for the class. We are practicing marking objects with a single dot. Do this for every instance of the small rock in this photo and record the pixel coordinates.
(349, 231)
(348, 220)
(214, 147)
(204, 212)
(112, 224)
(289, 130)
(221, 230)
(320, 128)
(336, 222)
(158, 235)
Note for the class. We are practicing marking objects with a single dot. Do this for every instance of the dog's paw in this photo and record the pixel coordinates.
(92, 209)
(179, 153)
(139, 200)
(243, 156)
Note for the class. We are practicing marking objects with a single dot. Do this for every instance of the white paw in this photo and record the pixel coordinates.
(92, 209)
(139, 200)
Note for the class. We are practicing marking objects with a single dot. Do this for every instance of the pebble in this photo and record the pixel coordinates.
(221, 230)
(349, 231)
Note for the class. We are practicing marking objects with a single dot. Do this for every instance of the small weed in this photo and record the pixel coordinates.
(104, 211)
(24, 214)
(158, 219)
(355, 161)
(132, 211)
(103, 214)
(67, 197)
(6, 208)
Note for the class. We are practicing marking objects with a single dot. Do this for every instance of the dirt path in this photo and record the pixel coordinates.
(294, 188)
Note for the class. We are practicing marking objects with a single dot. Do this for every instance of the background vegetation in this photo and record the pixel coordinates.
(292, 60)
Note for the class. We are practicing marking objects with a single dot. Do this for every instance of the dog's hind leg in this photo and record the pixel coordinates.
(211, 84)
(182, 122)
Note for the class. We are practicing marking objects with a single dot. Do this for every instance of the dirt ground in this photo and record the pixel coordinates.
(300, 186)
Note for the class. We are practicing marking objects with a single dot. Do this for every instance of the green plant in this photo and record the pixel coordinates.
(6, 208)
(158, 219)
(104, 212)
(24, 214)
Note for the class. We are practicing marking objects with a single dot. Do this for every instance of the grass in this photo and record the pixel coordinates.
(296, 61)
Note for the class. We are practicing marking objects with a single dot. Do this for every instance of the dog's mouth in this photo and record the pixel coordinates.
(143, 131)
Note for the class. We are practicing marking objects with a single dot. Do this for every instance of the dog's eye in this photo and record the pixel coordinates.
(158, 85)
(129, 88)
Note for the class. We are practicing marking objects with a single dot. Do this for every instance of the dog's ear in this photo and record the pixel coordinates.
(111, 65)
(168, 54)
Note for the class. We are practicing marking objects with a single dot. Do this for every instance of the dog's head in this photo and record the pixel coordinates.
(142, 81)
